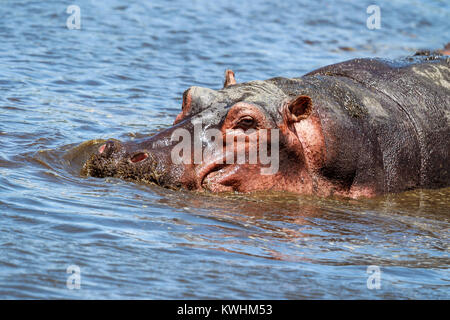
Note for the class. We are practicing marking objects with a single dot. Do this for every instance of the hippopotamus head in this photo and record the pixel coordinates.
(240, 138)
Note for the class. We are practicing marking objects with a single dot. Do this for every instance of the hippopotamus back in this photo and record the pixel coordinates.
(403, 107)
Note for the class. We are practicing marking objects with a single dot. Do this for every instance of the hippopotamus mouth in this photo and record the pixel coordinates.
(353, 129)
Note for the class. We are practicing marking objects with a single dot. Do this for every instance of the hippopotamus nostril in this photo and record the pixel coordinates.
(138, 157)
(109, 147)
(102, 148)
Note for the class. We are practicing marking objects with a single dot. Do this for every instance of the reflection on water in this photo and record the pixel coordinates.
(122, 76)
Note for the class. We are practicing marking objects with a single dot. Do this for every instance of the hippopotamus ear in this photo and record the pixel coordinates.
(297, 109)
(229, 78)
(195, 100)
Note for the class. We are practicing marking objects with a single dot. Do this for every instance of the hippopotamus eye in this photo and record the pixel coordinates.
(245, 123)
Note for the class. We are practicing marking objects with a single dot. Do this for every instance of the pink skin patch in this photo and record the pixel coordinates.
(101, 149)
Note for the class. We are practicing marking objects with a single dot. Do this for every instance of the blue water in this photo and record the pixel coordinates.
(122, 76)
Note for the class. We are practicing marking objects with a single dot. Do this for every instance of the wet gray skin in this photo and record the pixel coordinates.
(385, 125)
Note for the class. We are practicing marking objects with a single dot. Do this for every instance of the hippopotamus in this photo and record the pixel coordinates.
(358, 128)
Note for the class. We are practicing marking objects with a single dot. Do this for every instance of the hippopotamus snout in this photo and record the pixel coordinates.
(116, 159)
(134, 161)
